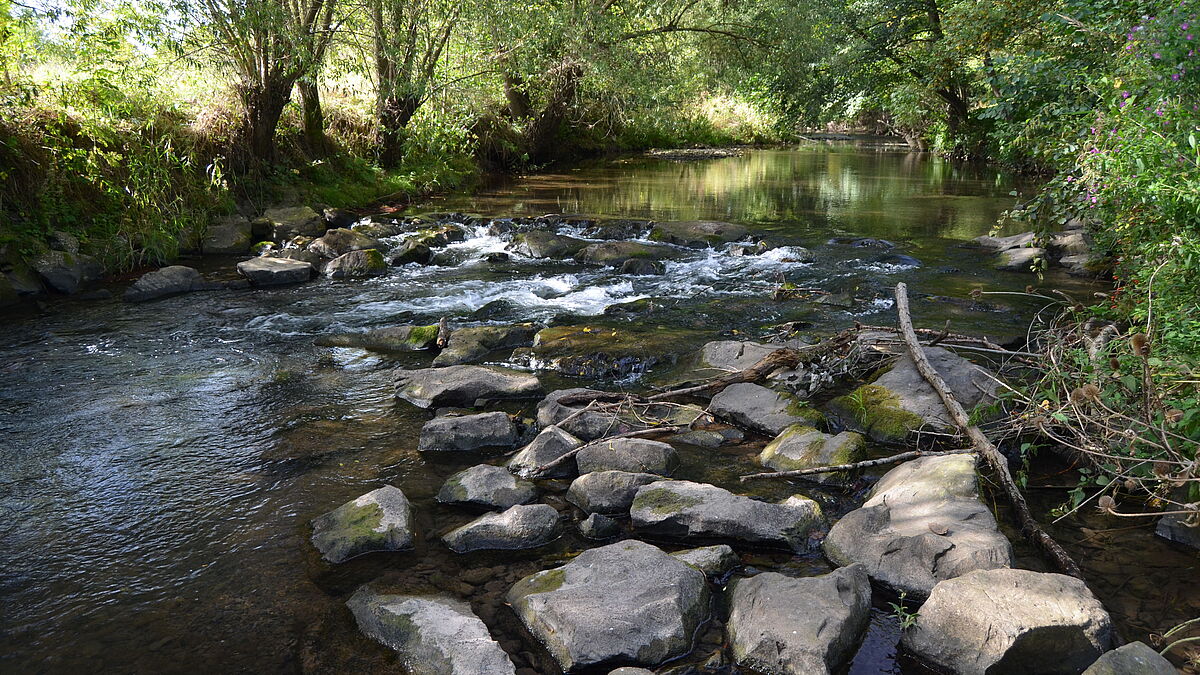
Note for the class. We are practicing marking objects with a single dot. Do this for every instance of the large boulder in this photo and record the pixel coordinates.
(292, 221)
(615, 253)
(357, 265)
(167, 281)
(380, 520)
(463, 385)
(922, 523)
(518, 527)
(607, 492)
(900, 401)
(229, 235)
(628, 454)
(488, 486)
(1019, 259)
(760, 409)
(696, 233)
(1074, 242)
(470, 344)
(275, 271)
(540, 244)
(65, 272)
(412, 251)
(714, 561)
(684, 510)
(625, 602)
(436, 635)
(798, 626)
(1010, 621)
(1134, 658)
(468, 433)
(803, 447)
(390, 339)
(338, 242)
(546, 447)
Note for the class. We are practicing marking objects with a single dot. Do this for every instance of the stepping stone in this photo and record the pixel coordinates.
(463, 386)
(546, 447)
(635, 455)
(487, 486)
(519, 527)
(803, 447)
(380, 520)
(607, 492)
(468, 433)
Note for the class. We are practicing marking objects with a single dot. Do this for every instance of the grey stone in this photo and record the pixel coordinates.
(807, 626)
(587, 426)
(714, 561)
(760, 409)
(1135, 658)
(1081, 265)
(546, 447)
(625, 602)
(167, 281)
(433, 635)
(229, 235)
(922, 523)
(696, 233)
(292, 221)
(683, 509)
(390, 339)
(1010, 621)
(64, 241)
(731, 355)
(488, 486)
(607, 492)
(629, 670)
(540, 244)
(275, 271)
(468, 433)
(380, 520)
(803, 447)
(474, 342)
(1075, 242)
(642, 267)
(1175, 528)
(66, 272)
(8, 295)
(338, 242)
(637, 455)
(615, 253)
(1019, 259)
(518, 527)
(411, 251)
(1021, 240)
(357, 265)
(301, 254)
(599, 526)
(463, 385)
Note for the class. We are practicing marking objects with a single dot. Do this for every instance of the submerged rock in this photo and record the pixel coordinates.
(625, 602)
(628, 454)
(473, 343)
(380, 520)
(165, 282)
(714, 561)
(1019, 259)
(539, 244)
(518, 527)
(463, 385)
(1135, 658)
(803, 447)
(596, 351)
(487, 486)
(338, 242)
(390, 339)
(288, 222)
(760, 409)
(436, 635)
(608, 492)
(546, 447)
(696, 233)
(683, 509)
(799, 626)
(615, 253)
(357, 265)
(923, 523)
(468, 433)
(1175, 528)
(1010, 621)
(230, 235)
(275, 271)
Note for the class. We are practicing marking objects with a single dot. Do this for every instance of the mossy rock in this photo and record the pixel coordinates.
(878, 412)
(662, 501)
(696, 233)
(599, 350)
(391, 339)
(803, 447)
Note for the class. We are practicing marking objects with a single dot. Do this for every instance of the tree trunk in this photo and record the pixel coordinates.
(519, 104)
(264, 105)
(542, 134)
(314, 118)
(395, 112)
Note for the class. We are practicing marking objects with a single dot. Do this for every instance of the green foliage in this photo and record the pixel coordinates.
(900, 610)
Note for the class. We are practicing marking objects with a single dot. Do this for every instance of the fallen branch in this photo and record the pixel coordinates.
(541, 470)
(902, 457)
(1029, 527)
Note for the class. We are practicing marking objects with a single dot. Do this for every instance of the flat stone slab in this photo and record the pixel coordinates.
(463, 385)
(625, 602)
(1004, 243)
(922, 523)
(390, 339)
(171, 280)
(635, 455)
(682, 510)
(276, 271)
(470, 344)
(380, 520)
(1019, 259)
(760, 409)
(607, 492)
(436, 635)
(1010, 621)
(799, 626)
(546, 447)
(487, 486)
(519, 527)
(468, 433)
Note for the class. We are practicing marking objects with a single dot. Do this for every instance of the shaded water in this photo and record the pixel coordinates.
(159, 463)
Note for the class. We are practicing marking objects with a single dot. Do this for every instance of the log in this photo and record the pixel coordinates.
(894, 459)
(999, 465)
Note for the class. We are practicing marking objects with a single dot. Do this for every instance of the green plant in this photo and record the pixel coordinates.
(900, 610)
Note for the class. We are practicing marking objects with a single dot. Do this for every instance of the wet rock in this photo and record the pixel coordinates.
(167, 281)
(338, 242)
(1082, 265)
(390, 339)
(300, 254)
(615, 253)
(1019, 259)
(799, 626)
(436, 635)
(357, 265)
(469, 433)
(635, 455)
(546, 245)
(625, 602)
(696, 233)
(1135, 658)
(599, 526)
(496, 309)
(546, 447)
(1175, 528)
(683, 509)
(587, 426)
(64, 241)
(607, 492)
(899, 260)
(629, 670)
(65, 272)
(497, 257)
(730, 355)
(901, 401)
(597, 351)
(411, 252)
(463, 385)
(488, 486)
(803, 447)
(760, 409)
(288, 222)
(1022, 240)
(338, 218)
(638, 266)
(230, 235)
(1010, 621)
(380, 520)
(8, 294)
(275, 271)
(1075, 242)
(473, 343)
(518, 527)
(714, 561)
(922, 523)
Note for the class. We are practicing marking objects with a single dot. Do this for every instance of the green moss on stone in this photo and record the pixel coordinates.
(375, 261)
(878, 411)
(421, 337)
(800, 408)
(542, 582)
(662, 501)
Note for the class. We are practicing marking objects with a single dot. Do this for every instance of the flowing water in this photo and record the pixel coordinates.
(159, 463)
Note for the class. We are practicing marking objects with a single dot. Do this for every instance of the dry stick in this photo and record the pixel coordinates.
(628, 434)
(902, 457)
(1029, 527)
(443, 334)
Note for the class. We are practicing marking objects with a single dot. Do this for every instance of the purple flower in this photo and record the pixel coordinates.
(1157, 55)
(1175, 76)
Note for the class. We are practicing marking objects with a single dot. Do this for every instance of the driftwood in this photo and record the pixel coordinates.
(1029, 527)
(894, 459)
(541, 470)
(443, 334)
